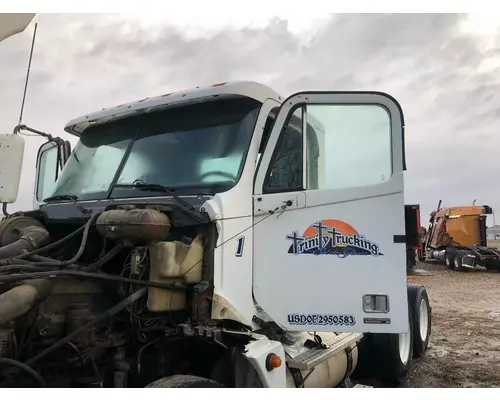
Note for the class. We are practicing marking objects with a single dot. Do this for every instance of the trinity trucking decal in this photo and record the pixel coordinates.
(332, 237)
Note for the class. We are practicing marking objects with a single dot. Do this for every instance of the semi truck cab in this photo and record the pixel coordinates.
(295, 203)
(327, 192)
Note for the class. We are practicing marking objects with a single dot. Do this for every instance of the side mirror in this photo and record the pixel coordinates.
(51, 158)
(11, 163)
(48, 165)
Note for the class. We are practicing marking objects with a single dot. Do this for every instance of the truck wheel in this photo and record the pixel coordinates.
(184, 381)
(421, 315)
(394, 353)
(449, 258)
(367, 363)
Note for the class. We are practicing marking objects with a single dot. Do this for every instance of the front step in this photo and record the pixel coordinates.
(313, 357)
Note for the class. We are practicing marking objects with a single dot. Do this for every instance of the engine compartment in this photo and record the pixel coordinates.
(118, 299)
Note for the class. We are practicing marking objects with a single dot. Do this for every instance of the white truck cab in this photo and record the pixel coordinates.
(324, 205)
(306, 193)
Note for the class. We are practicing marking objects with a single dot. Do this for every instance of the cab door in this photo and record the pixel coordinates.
(329, 246)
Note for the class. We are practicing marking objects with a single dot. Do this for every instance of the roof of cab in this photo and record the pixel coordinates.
(250, 89)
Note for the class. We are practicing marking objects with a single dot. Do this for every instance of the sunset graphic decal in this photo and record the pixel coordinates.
(332, 237)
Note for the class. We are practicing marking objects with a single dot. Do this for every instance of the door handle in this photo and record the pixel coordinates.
(279, 202)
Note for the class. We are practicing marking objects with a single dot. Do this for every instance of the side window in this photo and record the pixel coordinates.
(46, 171)
(348, 146)
(286, 167)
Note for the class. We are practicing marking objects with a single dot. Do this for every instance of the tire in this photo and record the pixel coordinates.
(394, 353)
(449, 258)
(184, 381)
(366, 365)
(422, 318)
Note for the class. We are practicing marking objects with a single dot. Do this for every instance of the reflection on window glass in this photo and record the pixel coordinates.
(47, 174)
(354, 145)
(91, 169)
(194, 147)
(286, 166)
(191, 148)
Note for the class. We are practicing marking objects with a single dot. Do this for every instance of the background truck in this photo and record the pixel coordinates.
(218, 237)
(457, 236)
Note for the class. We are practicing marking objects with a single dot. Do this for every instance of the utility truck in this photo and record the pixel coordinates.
(223, 236)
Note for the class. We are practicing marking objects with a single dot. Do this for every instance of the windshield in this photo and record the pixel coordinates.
(199, 148)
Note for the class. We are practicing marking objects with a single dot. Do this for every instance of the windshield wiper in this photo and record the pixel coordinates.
(155, 187)
(61, 197)
(73, 199)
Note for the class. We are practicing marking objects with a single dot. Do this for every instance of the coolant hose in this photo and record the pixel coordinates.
(31, 238)
(13, 249)
(88, 268)
(53, 245)
(19, 300)
(20, 265)
(77, 256)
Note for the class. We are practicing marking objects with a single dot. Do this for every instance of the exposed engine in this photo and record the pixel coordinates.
(117, 300)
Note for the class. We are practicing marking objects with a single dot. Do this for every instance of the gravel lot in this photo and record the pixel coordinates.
(464, 349)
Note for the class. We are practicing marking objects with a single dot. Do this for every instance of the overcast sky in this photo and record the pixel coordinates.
(443, 68)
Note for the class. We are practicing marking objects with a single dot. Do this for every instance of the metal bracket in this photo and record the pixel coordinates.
(212, 333)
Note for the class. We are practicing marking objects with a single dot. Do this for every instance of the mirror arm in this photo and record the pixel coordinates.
(20, 128)
(61, 144)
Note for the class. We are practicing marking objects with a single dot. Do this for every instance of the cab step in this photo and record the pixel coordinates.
(313, 357)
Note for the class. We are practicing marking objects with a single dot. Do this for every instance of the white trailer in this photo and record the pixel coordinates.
(293, 273)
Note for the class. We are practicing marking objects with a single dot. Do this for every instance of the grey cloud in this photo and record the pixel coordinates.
(86, 62)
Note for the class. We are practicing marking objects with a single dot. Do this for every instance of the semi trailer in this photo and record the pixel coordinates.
(224, 236)
(457, 236)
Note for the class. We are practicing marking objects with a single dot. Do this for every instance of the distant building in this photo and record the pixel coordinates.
(493, 233)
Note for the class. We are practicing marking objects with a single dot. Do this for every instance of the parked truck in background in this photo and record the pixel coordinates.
(457, 237)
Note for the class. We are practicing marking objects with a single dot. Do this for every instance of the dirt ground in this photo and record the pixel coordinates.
(464, 348)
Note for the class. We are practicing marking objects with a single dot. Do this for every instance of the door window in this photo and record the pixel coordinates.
(347, 146)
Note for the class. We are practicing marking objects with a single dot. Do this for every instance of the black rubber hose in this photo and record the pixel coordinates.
(52, 245)
(4, 209)
(15, 248)
(26, 368)
(19, 266)
(30, 237)
(87, 268)
(89, 275)
(57, 263)
(23, 267)
(104, 259)
(109, 313)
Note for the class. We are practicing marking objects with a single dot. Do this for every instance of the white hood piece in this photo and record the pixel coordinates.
(12, 24)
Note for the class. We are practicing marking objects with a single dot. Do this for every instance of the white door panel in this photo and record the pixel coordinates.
(276, 203)
(337, 262)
